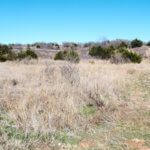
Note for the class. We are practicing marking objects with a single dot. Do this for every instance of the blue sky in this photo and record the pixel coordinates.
(29, 21)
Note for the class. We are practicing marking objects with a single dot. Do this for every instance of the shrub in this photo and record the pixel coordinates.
(52, 44)
(136, 43)
(60, 55)
(38, 46)
(148, 44)
(6, 53)
(57, 45)
(74, 44)
(71, 56)
(28, 53)
(108, 52)
(3, 58)
(4, 49)
(100, 52)
(11, 56)
(123, 45)
(95, 51)
(134, 57)
(31, 54)
(21, 55)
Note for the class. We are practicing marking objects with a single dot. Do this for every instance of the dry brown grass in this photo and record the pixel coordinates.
(45, 97)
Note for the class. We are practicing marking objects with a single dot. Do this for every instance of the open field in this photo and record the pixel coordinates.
(46, 105)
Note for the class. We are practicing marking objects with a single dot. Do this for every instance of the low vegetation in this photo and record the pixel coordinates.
(123, 45)
(38, 46)
(148, 44)
(103, 53)
(27, 54)
(121, 53)
(132, 56)
(6, 53)
(53, 105)
(70, 56)
(136, 43)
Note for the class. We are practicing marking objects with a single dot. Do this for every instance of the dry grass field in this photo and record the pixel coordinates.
(47, 104)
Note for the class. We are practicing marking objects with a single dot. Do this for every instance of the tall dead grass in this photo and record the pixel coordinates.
(46, 96)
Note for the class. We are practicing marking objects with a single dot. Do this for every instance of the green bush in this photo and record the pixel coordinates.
(95, 51)
(136, 43)
(123, 45)
(120, 55)
(60, 55)
(75, 45)
(3, 58)
(11, 56)
(31, 54)
(21, 55)
(134, 57)
(148, 44)
(28, 53)
(4, 49)
(108, 52)
(6, 53)
(71, 56)
(57, 45)
(38, 46)
(104, 53)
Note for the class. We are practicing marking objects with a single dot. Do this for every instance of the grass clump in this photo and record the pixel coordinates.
(88, 110)
(65, 139)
